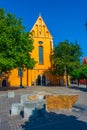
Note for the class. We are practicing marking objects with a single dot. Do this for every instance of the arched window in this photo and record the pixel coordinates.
(43, 80)
(4, 83)
(39, 80)
(40, 42)
(40, 55)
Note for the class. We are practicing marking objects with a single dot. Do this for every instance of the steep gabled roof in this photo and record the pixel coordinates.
(40, 29)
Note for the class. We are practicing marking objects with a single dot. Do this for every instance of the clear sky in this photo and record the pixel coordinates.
(65, 19)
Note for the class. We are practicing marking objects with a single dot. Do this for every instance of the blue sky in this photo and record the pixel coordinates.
(65, 19)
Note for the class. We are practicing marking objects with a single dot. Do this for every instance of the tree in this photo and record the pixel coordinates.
(16, 45)
(84, 72)
(76, 74)
(66, 57)
(80, 73)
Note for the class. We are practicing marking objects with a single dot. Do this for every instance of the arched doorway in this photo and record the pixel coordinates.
(4, 83)
(39, 80)
(43, 80)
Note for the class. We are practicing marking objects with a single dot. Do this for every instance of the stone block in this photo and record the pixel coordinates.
(58, 102)
(41, 107)
(24, 98)
(41, 104)
(30, 111)
(27, 97)
(11, 94)
(16, 109)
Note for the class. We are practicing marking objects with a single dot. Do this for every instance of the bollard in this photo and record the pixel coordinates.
(11, 94)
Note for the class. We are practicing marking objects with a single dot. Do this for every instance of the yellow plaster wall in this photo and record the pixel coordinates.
(46, 53)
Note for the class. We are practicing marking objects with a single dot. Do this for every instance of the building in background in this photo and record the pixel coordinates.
(40, 75)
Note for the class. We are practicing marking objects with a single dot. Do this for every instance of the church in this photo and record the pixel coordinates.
(40, 75)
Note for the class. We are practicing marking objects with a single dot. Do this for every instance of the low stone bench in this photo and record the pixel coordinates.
(31, 105)
(59, 101)
(16, 109)
(30, 97)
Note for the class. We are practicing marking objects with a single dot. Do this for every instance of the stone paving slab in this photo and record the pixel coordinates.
(62, 120)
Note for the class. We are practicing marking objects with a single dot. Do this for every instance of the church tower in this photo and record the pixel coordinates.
(43, 45)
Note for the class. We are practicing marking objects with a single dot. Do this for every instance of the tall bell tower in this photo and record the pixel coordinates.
(43, 45)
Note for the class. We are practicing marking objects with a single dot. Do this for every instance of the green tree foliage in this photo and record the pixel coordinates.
(76, 74)
(16, 45)
(84, 73)
(66, 57)
(80, 73)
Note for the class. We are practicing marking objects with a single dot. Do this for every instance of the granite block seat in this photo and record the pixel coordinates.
(16, 109)
(32, 106)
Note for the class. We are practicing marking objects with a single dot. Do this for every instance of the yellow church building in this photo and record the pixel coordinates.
(39, 75)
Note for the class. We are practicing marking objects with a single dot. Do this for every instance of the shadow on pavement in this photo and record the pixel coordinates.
(10, 88)
(78, 88)
(55, 121)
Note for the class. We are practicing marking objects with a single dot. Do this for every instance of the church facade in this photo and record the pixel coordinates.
(39, 75)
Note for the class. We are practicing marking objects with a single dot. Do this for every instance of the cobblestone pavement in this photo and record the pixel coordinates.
(75, 119)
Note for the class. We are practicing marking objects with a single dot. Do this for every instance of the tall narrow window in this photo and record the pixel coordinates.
(40, 55)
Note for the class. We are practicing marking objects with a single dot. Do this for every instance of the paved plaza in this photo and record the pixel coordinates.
(74, 119)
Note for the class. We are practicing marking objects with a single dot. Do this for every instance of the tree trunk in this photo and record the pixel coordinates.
(21, 81)
(78, 81)
(66, 76)
(67, 81)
